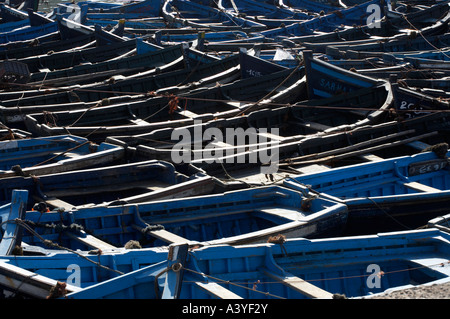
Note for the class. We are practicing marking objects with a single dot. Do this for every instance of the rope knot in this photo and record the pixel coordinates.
(278, 239)
(307, 202)
(173, 103)
(49, 118)
(439, 149)
(59, 290)
(48, 242)
(18, 170)
(97, 252)
(40, 207)
(76, 228)
(133, 244)
(150, 228)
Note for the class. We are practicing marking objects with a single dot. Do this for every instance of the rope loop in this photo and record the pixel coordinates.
(151, 228)
(173, 103)
(177, 267)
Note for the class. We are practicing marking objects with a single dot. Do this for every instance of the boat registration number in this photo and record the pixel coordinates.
(426, 167)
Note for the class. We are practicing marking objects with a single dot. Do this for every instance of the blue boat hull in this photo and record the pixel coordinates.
(236, 217)
(46, 155)
(393, 194)
(351, 267)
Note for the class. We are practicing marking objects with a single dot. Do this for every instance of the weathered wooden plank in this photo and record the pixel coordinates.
(58, 203)
(371, 157)
(292, 214)
(198, 186)
(139, 122)
(315, 126)
(90, 241)
(421, 187)
(168, 236)
(300, 285)
(188, 114)
(164, 235)
(217, 290)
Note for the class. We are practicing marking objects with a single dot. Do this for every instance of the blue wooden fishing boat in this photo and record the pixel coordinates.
(104, 17)
(8, 26)
(95, 6)
(11, 13)
(361, 65)
(442, 223)
(166, 38)
(70, 26)
(347, 267)
(307, 128)
(311, 122)
(71, 272)
(45, 155)
(142, 115)
(76, 56)
(417, 15)
(13, 73)
(13, 134)
(329, 114)
(234, 218)
(126, 183)
(316, 6)
(73, 26)
(265, 9)
(438, 85)
(34, 19)
(431, 21)
(442, 55)
(104, 20)
(423, 63)
(41, 48)
(28, 33)
(410, 103)
(319, 42)
(406, 44)
(328, 23)
(139, 66)
(30, 26)
(130, 63)
(151, 8)
(180, 13)
(402, 70)
(268, 14)
(292, 268)
(395, 32)
(395, 193)
(326, 80)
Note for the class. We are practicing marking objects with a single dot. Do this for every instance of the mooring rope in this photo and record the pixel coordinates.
(50, 243)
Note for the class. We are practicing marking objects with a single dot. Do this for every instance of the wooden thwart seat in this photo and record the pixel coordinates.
(300, 285)
(217, 290)
(168, 236)
(58, 203)
(421, 187)
(164, 235)
(91, 241)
